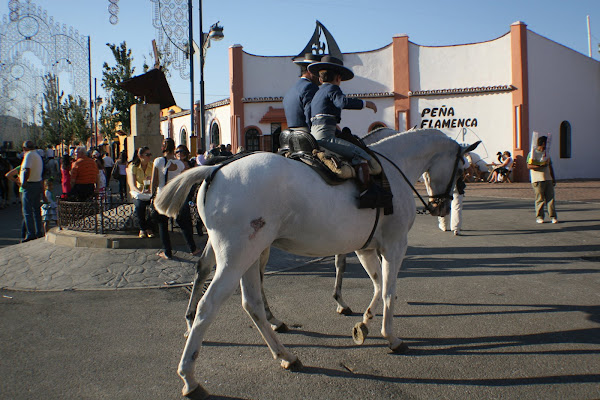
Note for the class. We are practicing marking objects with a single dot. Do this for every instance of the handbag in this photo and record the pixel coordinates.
(140, 196)
(153, 215)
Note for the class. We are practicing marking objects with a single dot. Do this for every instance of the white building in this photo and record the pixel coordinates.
(498, 91)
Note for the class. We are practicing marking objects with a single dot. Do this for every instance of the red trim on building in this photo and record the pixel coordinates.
(401, 72)
(236, 80)
(520, 99)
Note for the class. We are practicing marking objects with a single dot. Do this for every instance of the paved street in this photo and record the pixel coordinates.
(508, 310)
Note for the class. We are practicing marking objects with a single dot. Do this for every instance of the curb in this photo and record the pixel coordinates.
(70, 238)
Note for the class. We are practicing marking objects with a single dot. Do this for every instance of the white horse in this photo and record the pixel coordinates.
(250, 204)
(207, 261)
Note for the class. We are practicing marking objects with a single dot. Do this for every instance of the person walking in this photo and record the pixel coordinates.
(31, 196)
(164, 169)
(65, 175)
(543, 181)
(456, 209)
(109, 163)
(139, 177)
(119, 171)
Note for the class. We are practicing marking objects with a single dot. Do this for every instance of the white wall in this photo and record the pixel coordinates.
(373, 71)
(471, 65)
(465, 66)
(564, 85)
(268, 76)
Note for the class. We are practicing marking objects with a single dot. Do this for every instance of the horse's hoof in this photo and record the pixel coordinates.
(344, 311)
(360, 333)
(399, 348)
(197, 394)
(283, 328)
(292, 366)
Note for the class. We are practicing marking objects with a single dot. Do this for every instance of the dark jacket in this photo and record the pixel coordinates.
(296, 103)
(330, 100)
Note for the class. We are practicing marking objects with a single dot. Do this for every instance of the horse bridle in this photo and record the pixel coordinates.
(436, 199)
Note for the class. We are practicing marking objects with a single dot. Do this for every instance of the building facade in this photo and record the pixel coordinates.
(498, 91)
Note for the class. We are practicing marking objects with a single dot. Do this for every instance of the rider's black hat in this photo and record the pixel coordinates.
(309, 58)
(333, 64)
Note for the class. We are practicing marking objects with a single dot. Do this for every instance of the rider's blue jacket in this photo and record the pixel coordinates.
(330, 100)
(296, 103)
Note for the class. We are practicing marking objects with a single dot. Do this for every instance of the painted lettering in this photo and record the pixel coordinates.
(425, 111)
(434, 112)
(443, 111)
(446, 123)
(451, 111)
(474, 123)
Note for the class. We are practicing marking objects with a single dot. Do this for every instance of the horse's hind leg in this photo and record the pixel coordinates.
(205, 264)
(252, 302)
(370, 262)
(340, 268)
(222, 286)
(392, 261)
(276, 325)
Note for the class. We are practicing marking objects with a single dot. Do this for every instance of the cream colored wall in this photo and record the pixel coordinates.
(564, 85)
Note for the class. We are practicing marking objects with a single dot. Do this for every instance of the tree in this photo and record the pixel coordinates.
(76, 120)
(119, 101)
(52, 112)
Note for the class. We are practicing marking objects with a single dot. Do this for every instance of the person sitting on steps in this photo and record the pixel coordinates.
(326, 110)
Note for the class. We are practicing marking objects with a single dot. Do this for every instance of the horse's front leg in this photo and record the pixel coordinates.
(392, 261)
(205, 264)
(252, 302)
(276, 325)
(371, 263)
(340, 268)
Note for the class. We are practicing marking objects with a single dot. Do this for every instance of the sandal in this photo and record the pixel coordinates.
(162, 255)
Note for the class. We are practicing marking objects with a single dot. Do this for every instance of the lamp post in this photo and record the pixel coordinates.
(215, 33)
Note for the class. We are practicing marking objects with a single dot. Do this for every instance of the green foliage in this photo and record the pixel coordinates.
(120, 101)
(52, 112)
(76, 120)
(63, 120)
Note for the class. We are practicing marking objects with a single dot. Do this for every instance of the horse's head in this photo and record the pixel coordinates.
(441, 177)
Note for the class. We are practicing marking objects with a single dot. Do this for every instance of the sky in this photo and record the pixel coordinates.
(283, 27)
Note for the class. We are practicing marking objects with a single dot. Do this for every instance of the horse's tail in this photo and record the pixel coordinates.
(173, 195)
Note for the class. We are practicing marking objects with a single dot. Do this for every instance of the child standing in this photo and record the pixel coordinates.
(49, 207)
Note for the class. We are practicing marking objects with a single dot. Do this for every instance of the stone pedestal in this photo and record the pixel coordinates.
(145, 129)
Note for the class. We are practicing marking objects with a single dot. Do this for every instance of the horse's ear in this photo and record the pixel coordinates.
(471, 147)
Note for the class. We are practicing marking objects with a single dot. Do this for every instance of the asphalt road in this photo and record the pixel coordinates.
(509, 310)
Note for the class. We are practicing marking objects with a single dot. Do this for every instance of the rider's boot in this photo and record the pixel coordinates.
(368, 197)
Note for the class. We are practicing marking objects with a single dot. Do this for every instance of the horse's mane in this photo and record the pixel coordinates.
(410, 132)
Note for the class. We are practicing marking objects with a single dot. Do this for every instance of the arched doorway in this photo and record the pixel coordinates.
(565, 139)
(252, 140)
(215, 134)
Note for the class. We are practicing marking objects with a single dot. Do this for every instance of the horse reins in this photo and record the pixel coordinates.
(436, 197)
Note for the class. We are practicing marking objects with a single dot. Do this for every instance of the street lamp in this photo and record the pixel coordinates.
(215, 33)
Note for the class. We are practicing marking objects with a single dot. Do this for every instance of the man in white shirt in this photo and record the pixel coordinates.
(31, 196)
(542, 180)
(108, 166)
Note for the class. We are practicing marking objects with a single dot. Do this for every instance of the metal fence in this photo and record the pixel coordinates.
(103, 215)
(97, 215)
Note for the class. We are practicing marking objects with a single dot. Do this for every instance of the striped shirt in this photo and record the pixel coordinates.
(84, 171)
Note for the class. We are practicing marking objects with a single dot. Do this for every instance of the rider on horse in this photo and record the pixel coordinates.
(326, 109)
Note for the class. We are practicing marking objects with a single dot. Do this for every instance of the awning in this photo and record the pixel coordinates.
(273, 115)
(152, 87)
